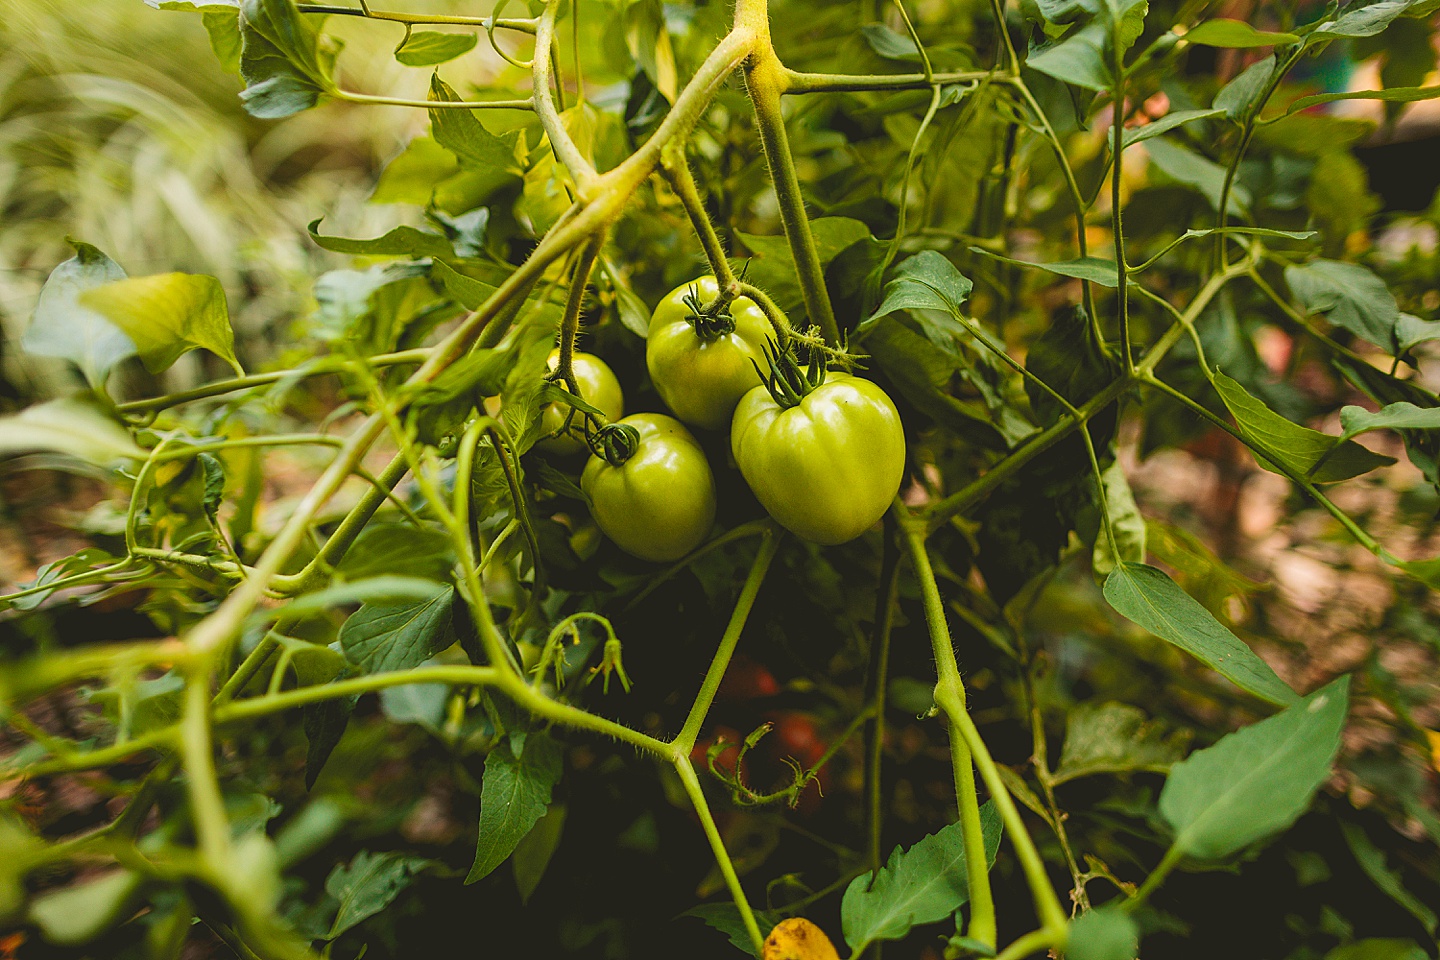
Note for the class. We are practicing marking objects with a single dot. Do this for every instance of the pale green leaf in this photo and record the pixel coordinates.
(1395, 416)
(1255, 782)
(1116, 738)
(1125, 518)
(1349, 296)
(1105, 934)
(81, 912)
(1149, 598)
(168, 315)
(62, 327)
(1203, 175)
(75, 426)
(1223, 32)
(1095, 269)
(426, 48)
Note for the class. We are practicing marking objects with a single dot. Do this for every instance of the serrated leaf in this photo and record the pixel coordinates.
(1255, 782)
(368, 885)
(1116, 738)
(725, 917)
(460, 132)
(514, 794)
(1148, 597)
(380, 638)
(1309, 453)
(168, 315)
(1349, 296)
(1104, 934)
(62, 327)
(76, 426)
(926, 281)
(427, 48)
(382, 547)
(923, 884)
(400, 242)
(1236, 34)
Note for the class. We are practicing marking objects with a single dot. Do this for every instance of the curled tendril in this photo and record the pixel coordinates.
(741, 792)
(711, 321)
(490, 33)
(615, 442)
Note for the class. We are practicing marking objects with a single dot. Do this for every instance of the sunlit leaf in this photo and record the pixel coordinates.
(426, 48)
(1223, 32)
(167, 316)
(62, 327)
(76, 426)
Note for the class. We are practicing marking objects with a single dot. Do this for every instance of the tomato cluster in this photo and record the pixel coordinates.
(823, 451)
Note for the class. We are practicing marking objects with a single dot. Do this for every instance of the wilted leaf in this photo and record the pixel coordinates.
(1116, 738)
(798, 939)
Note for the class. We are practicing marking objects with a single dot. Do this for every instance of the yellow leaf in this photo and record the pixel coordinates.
(1434, 736)
(798, 939)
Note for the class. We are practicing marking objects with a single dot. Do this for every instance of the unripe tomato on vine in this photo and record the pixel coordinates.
(823, 451)
(598, 387)
(701, 364)
(650, 487)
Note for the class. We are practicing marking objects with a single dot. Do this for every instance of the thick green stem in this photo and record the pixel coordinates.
(570, 319)
(797, 82)
(691, 784)
(561, 143)
(677, 173)
(765, 82)
(207, 806)
(950, 698)
(769, 543)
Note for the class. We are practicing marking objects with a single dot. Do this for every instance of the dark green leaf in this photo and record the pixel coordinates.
(920, 885)
(399, 242)
(1350, 296)
(1116, 738)
(773, 269)
(380, 638)
(1241, 95)
(1105, 934)
(167, 315)
(1068, 359)
(383, 547)
(533, 852)
(889, 43)
(1372, 860)
(1308, 453)
(1422, 446)
(426, 48)
(1170, 121)
(1255, 782)
(513, 796)
(926, 281)
(324, 724)
(725, 917)
(1078, 59)
(1146, 596)
(368, 885)
(62, 327)
(285, 65)
(1375, 948)
(1094, 269)
(1223, 32)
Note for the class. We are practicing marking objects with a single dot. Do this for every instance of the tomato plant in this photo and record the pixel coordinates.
(1061, 501)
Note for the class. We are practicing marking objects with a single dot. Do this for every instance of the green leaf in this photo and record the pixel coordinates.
(380, 638)
(77, 426)
(533, 852)
(1255, 782)
(383, 547)
(1360, 22)
(399, 242)
(1422, 446)
(368, 885)
(1350, 296)
(1069, 359)
(514, 795)
(167, 316)
(283, 61)
(1203, 175)
(1078, 59)
(412, 176)
(1116, 738)
(1104, 934)
(1395, 416)
(1148, 597)
(1168, 122)
(62, 327)
(773, 269)
(920, 885)
(1094, 269)
(1308, 453)
(460, 132)
(1223, 32)
(1238, 97)
(890, 44)
(725, 917)
(1390, 95)
(1129, 525)
(926, 281)
(1372, 860)
(81, 912)
(426, 48)
(1375, 948)
(1411, 331)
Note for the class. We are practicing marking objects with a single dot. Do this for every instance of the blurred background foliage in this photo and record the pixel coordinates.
(118, 127)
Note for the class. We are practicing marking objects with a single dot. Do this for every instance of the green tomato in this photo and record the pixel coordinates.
(702, 380)
(598, 387)
(660, 504)
(828, 468)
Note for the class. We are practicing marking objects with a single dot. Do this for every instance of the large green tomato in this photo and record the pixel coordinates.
(598, 387)
(660, 503)
(828, 468)
(699, 378)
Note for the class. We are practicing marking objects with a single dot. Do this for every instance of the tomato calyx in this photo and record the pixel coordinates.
(710, 321)
(615, 442)
(787, 381)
